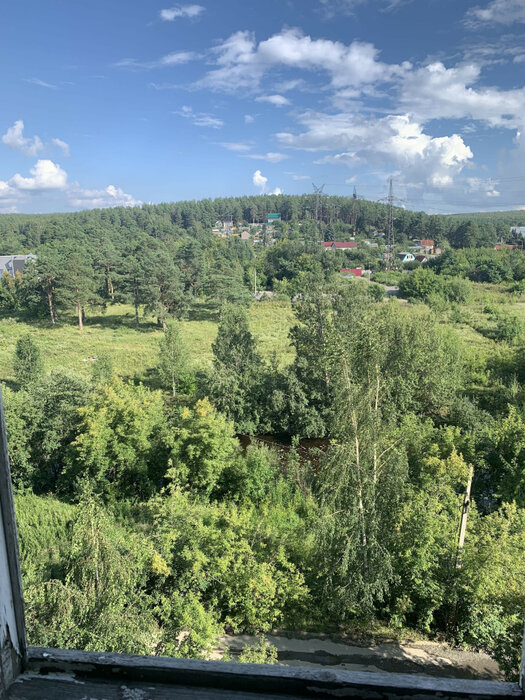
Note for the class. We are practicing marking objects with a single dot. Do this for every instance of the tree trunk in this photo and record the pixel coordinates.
(136, 315)
(79, 314)
(360, 504)
(109, 284)
(51, 311)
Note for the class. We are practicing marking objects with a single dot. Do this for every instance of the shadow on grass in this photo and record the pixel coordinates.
(204, 312)
(41, 322)
(149, 378)
(126, 320)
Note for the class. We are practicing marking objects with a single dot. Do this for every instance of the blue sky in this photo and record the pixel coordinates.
(115, 103)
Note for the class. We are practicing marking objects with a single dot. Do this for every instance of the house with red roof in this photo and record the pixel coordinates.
(351, 271)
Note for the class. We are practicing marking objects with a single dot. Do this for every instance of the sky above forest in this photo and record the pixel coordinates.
(114, 102)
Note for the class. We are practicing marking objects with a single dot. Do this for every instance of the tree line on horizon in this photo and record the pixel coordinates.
(162, 258)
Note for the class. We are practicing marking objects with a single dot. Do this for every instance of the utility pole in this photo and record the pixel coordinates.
(464, 514)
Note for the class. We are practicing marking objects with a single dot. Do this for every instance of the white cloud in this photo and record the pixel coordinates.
(259, 180)
(46, 175)
(248, 119)
(277, 100)
(165, 86)
(394, 141)
(40, 83)
(287, 85)
(348, 7)
(8, 195)
(497, 12)
(294, 176)
(176, 58)
(270, 157)
(487, 188)
(173, 13)
(235, 146)
(111, 196)
(199, 118)
(63, 146)
(242, 62)
(276, 190)
(436, 92)
(15, 139)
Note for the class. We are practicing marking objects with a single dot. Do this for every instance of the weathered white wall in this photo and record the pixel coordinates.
(8, 628)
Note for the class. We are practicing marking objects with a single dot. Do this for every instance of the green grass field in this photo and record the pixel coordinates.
(134, 352)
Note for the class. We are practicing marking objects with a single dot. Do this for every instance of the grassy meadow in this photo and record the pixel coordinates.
(134, 352)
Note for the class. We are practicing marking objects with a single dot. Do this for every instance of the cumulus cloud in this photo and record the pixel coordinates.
(189, 11)
(269, 157)
(259, 180)
(497, 12)
(111, 196)
(46, 175)
(437, 92)
(395, 140)
(9, 196)
(277, 100)
(15, 139)
(176, 58)
(248, 119)
(242, 62)
(276, 190)
(199, 118)
(487, 188)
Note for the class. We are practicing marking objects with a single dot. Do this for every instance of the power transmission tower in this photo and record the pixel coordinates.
(318, 191)
(390, 199)
(354, 211)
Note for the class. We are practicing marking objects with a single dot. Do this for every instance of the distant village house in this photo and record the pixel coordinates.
(339, 245)
(425, 245)
(351, 271)
(13, 264)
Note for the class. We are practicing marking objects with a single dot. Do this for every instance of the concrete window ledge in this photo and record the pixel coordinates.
(57, 673)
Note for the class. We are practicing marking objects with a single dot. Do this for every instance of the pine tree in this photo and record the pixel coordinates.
(28, 363)
(237, 370)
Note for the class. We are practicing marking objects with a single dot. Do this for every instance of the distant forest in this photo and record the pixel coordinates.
(25, 232)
